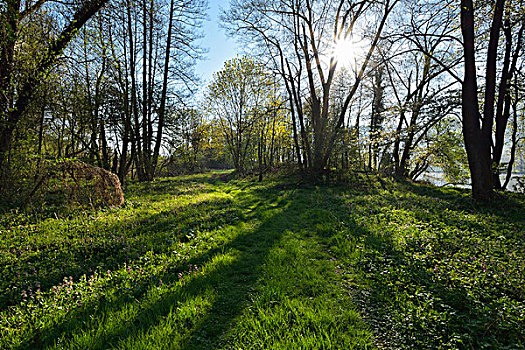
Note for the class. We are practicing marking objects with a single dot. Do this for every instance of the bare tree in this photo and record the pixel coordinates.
(299, 36)
(417, 72)
(477, 123)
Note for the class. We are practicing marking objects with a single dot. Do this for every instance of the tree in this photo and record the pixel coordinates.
(17, 91)
(315, 29)
(419, 56)
(137, 62)
(239, 96)
(477, 123)
(377, 117)
(158, 42)
(188, 140)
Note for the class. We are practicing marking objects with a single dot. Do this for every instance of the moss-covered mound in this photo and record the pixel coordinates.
(76, 183)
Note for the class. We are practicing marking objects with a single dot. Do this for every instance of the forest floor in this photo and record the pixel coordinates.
(198, 263)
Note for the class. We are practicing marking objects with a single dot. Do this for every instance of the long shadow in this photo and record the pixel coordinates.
(232, 284)
(391, 276)
(403, 299)
(401, 296)
(455, 208)
(80, 253)
(238, 281)
(509, 206)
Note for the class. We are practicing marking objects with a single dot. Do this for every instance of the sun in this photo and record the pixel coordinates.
(348, 52)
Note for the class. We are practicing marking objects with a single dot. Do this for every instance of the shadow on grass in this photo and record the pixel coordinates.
(411, 307)
(80, 253)
(232, 284)
(508, 205)
(416, 300)
(402, 298)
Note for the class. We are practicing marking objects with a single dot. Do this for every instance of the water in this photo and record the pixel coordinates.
(438, 178)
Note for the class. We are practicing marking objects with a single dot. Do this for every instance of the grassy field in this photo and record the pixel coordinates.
(198, 263)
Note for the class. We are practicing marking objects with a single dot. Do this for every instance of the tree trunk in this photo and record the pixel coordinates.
(137, 139)
(106, 163)
(504, 98)
(28, 87)
(514, 145)
(162, 109)
(477, 137)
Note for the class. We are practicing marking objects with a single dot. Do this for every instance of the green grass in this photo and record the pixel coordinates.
(198, 263)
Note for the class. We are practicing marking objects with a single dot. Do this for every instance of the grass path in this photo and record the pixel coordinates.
(200, 266)
(195, 263)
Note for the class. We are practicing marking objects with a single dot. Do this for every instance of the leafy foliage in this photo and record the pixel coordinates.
(243, 101)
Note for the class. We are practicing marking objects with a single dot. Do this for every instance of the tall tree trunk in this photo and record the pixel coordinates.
(399, 172)
(163, 98)
(293, 113)
(106, 164)
(514, 144)
(8, 36)
(41, 133)
(145, 140)
(137, 139)
(504, 98)
(127, 136)
(477, 136)
(150, 169)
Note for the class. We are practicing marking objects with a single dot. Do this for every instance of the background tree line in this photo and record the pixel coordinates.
(104, 92)
(395, 86)
(420, 83)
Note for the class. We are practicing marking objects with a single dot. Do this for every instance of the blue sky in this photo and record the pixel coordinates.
(221, 48)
